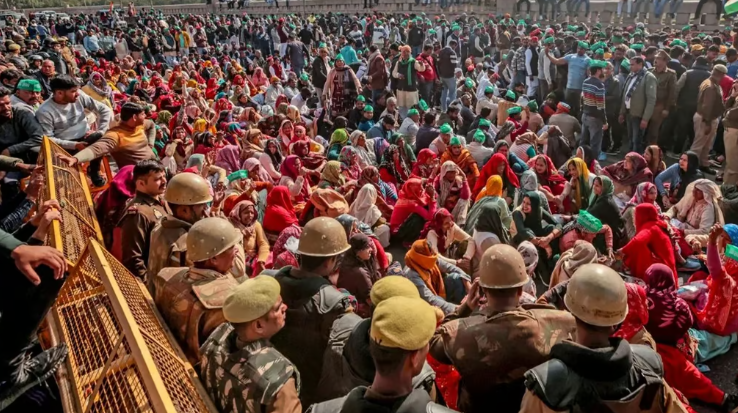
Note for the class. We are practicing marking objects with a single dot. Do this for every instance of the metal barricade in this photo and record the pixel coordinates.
(122, 357)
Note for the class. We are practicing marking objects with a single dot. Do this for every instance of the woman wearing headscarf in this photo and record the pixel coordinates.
(359, 271)
(284, 249)
(259, 79)
(110, 204)
(530, 258)
(498, 165)
(550, 182)
(678, 176)
(386, 193)
(349, 160)
(603, 207)
(577, 191)
(279, 212)
(324, 203)
(285, 135)
(556, 146)
(491, 194)
(487, 229)
(393, 168)
(353, 226)
(415, 206)
(341, 88)
(669, 319)
(529, 183)
(312, 161)
(439, 282)
(365, 209)
(255, 245)
(332, 178)
(406, 151)
(645, 193)
(339, 139)
(447, 239)
(364, 149)
(516, 164)
(525, 146)
(654, 159)
(694, 215)
(453, 191)
(293, 177)
(532, 223)
(228, 158)
(583, 252)
(426, 165)
(628, 173)
(651, 245)
(271, 159)
(460, 156)
(98, 89)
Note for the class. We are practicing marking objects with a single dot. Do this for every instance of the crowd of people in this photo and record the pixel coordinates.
(259, 174)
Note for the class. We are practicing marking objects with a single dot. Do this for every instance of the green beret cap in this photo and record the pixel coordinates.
(514, 110)
(468, 82)
(548, 40)
(454, 141)
(533, 105)
(446, 128)
(423, 105)
(583, 45)
(599, 51)
(598, 63)
(368, 108)
(361, 98)
(510, 94)
(489, 89)
(581, 33)
(236, 175)
(251, 300)
(484, 122)
(30, 85)
(637, 46)
(625, 64)
(589, 222)
(412, 112)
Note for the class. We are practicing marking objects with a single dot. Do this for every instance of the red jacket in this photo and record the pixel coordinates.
(429, 75)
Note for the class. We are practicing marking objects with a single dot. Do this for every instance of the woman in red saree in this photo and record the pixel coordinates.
(651, 245)
(279, 213)
(426, 166)
(498, 165)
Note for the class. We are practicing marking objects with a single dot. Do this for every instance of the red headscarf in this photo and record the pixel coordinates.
(238, 81)
(551, 175)
(436, 224)
(421, 169)
(669, 316)
(412, 192)
(289, 169)
(490, 168)
(120, 190)
(211, 89)
(279, 213)
(651, 245)
(637, 316)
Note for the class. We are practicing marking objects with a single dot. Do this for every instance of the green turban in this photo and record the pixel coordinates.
(510, 94)
(454, 141)
(514, 110)
(479, 136)
(446, 128)
(589, 222)
(368, 108)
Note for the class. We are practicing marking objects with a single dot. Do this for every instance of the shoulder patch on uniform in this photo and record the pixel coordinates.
(212, 294)
(133, 209)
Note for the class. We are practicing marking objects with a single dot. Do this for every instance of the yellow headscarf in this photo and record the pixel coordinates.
(492, 188)
(581, 193)
(422, 259)
(332, 174)
(199, 126)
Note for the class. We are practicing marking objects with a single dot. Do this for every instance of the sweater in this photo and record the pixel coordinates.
(67, 124)
(127, 146)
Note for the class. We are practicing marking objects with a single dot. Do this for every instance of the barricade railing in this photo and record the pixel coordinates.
(122, 357)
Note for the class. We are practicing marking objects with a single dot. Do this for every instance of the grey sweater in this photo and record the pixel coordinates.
(67, 124)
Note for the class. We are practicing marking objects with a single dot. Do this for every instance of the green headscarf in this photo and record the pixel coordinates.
(339, 136)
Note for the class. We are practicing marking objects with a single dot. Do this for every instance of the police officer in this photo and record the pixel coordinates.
(191, 298)
(400, 331)
(142, 214)
(313, 303)
(241, 370)
(598, 372)
(492, 348)
(188, 196)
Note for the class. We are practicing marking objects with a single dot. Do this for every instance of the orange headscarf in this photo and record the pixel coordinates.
(492, 188)
(422, 260)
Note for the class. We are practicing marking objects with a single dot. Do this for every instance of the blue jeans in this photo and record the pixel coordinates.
(416, 50)
(659, 5)
(448, 94)
(579, 3)
(592, 133)
(635, 133)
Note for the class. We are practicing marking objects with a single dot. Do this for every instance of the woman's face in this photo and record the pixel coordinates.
(447, 224)
(628, 164)
(456, 150)
(597, 187)
(647, 155)
(299, 133)
(180, 134)
(450, 176)
(340, 64)
(396, 156)
(684, 162)
(144, 83)
(361, 141)
(254, 172)
(573, 170)
(652, 194)
(298, 164)
(364, 254)
(540, 166)
(501, 169)
(272, 148)
(247, 215)
(287, 129)
(697, 194)
(503, 150)
(526, 205)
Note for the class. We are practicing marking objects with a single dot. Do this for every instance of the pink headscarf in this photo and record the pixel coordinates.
(228, 158)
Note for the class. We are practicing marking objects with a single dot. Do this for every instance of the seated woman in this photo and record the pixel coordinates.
(339, 139)
(581, 253)
(271, 160)
(694, 215)
(350, 167)
(406, 151)
(393, 168)
(312, 161)
(576, 194)
(324, 203)
(488, 230)
(603, 207)
(439, 282)
(654, 159)
(426, 166)
(491, 194)
(110, 204)
(461, 157)
(453, 191)
(364, 149)
(353, 226)
(448, 240)
(415, 206)
(555, 146)
(251, 142)
(528, 225)
(498, 165)
(550, 182)
(386, 193)
(332, 178)
(669, 319)
(301, 136)
(516, 164)
(284, 250)
(279, 213)
(673, 182)
(359, 271)
(628, 173)
(651, 245)
(525, 146)
(645, 193)
(365, 209)
(255, 244)
(228, 158)
(529, 183)
(293, 178)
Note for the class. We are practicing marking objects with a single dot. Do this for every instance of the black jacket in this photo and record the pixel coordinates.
(690, 91)
(447, 60)
(319, 73)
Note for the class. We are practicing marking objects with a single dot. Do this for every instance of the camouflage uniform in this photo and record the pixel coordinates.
(191, 301)
(492, 351)
(142, 214)
(248, 377)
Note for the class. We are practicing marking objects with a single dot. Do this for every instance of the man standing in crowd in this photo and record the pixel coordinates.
(594, 118)
(709, 109)
(446, 65)
(578, 64)
(639, 99)
(665, 96)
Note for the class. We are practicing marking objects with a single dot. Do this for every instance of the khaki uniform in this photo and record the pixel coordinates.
(665, 100)
(191, 301)
(168, 248)
(492, 351)
(142, 214)
(248, 377)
